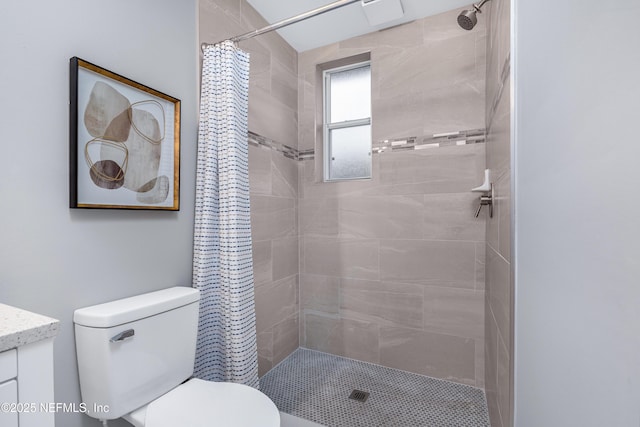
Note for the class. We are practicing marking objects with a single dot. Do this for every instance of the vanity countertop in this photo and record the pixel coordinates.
(19, 327)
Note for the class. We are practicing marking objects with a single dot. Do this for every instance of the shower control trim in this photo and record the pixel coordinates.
(487, 193)
(486, 200)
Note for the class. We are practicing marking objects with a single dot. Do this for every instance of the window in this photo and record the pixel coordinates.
(347, 122)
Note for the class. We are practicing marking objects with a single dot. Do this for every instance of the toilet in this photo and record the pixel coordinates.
(135, 360)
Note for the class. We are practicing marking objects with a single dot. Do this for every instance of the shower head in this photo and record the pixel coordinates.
(468, 18)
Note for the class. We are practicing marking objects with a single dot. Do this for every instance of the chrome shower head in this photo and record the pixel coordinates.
(468, 18)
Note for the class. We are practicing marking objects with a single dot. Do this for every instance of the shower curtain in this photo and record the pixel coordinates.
(222, 260)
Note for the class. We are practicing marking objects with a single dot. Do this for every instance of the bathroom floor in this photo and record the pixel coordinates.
(316, 386)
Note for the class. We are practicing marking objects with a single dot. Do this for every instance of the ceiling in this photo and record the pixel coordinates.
(341, 24)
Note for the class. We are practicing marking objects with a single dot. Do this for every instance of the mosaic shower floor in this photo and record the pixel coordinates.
(316, 386)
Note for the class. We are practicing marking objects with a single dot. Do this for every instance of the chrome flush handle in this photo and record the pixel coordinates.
(123, 335)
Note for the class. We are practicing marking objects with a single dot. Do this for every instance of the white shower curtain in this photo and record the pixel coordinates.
(222, 260)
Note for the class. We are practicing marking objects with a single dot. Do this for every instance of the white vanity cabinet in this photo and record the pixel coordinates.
(8, 388)
(26, 368)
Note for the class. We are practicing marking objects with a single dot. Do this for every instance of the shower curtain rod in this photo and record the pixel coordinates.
(287, 22)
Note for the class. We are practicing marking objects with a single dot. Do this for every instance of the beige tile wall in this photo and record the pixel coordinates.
(273, 113)
(389, 270)
(499, 282)
(392, 268)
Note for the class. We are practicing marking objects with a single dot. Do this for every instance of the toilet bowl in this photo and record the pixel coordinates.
(134, 356)
(199, 403)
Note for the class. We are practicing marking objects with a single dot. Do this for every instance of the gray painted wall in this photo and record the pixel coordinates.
(53, 259)
(577, 316)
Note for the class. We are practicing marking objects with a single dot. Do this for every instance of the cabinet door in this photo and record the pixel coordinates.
(8, 365)
(8, 395)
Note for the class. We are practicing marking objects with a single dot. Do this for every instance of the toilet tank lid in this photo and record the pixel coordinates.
(127, 310)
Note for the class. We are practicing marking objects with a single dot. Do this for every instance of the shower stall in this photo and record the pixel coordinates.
(389, 278)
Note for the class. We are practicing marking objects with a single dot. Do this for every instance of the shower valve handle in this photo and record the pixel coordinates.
(478, 210)
(486, 200)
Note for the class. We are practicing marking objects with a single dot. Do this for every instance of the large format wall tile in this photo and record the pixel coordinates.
(319, 216)
(341, 258)
(284, 84)
(281, 51)
(450, 217)
(265, 351)
(385, 217)
(458, 312)
(260, 68)
(504, 383)
(503, 210)
(480, 375)
(445, 170)
(320, 293)
(481, 251)
(285, 338)
(275, 302)
(454, 108)
(499, 136)
(493, 227)
(437, 263)
(491, 368)
(388, 124)
(499, 293)
(285, 257)
(272, 217)
(284, 175)
(437, 355)
(271, 118)
(259, 170)
(433, 65)
(262, 262)
(210, 12)
(306, 127)
(345, 337)
(382, 302)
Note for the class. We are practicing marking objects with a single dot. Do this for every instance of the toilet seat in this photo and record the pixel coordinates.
(199, 403)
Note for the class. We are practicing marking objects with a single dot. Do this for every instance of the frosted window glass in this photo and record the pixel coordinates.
(350, 95)
(350, 153)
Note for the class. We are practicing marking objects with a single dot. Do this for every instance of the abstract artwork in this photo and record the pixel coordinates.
(124, 142)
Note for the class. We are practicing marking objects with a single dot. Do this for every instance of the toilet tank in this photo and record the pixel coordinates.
(133, 350)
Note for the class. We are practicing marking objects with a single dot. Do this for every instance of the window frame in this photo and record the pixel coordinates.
(328, 126)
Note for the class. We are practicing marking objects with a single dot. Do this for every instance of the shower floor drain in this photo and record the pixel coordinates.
(359, 395)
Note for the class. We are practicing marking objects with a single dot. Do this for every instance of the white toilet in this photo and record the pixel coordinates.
(134, 355)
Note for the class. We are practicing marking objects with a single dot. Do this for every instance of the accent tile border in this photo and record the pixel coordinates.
(259, 140)
(448, 139)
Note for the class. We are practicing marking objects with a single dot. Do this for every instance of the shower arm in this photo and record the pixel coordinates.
(478, 6)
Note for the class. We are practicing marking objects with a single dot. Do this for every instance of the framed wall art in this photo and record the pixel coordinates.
(124, 142)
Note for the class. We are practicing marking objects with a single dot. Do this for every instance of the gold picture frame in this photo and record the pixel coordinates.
(124, 150)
